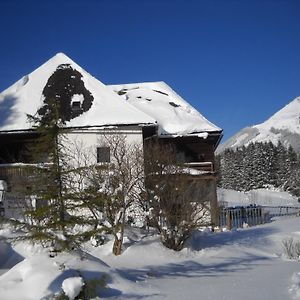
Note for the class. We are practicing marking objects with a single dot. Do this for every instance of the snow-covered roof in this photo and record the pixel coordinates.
(175, 117)
(25, 97)
(145, 103)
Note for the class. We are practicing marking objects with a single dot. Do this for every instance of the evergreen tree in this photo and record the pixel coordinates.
(291, 166)
(228, 169)
(281, 165)
(271, 164)
(49, 215)
(292, 183)
(259, 165)
(51, 220)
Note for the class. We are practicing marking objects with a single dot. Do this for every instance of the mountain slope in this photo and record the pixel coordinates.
(283, 126)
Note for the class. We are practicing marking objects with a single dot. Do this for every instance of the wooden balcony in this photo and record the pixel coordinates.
(206, 166)
(17, 171)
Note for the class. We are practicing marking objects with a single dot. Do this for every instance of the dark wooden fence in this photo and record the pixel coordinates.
(2, 212)
(237, 217)
(277, 211)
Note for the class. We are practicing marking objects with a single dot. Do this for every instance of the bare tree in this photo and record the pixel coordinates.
(175, 209)
(116, 185)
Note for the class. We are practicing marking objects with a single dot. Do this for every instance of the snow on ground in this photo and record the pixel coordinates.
(72, 287)
(259, 197)
(242, 264)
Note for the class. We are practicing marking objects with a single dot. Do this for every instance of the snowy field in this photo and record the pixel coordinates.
(243, 264)
(259, 197)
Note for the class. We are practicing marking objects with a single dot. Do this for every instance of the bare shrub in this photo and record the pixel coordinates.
(291, 248)
(171, 192)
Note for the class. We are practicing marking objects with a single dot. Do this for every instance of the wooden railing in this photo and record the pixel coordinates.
(8, 171)
(237, 217)
(11, 172)
(207, 166)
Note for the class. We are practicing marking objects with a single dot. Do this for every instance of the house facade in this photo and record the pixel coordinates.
(143, 112)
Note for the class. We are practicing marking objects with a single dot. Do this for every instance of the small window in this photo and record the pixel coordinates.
(76, 105)
(103, 154)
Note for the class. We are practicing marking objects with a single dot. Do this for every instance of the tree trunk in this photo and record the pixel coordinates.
(117, 247)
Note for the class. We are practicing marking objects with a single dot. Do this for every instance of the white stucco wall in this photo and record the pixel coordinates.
(87, 141)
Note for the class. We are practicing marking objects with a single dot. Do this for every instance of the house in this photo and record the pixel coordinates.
(142, 112)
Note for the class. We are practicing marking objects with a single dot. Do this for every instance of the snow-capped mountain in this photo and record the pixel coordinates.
(283, 126)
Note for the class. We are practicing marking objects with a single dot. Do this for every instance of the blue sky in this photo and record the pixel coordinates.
(237, 62)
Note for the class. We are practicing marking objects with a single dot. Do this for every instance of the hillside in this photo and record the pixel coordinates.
(283, 126)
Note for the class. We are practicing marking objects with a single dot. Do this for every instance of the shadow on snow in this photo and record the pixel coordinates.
(192, 269)
(8, 257)
(254, 236)
(6, 109)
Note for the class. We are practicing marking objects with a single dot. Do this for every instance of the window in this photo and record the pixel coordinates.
(76, 105)
(103, 154)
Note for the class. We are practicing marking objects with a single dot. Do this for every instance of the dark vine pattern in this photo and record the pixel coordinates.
(61, 86)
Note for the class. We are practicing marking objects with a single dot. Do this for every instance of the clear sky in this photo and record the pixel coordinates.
(236, 61)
